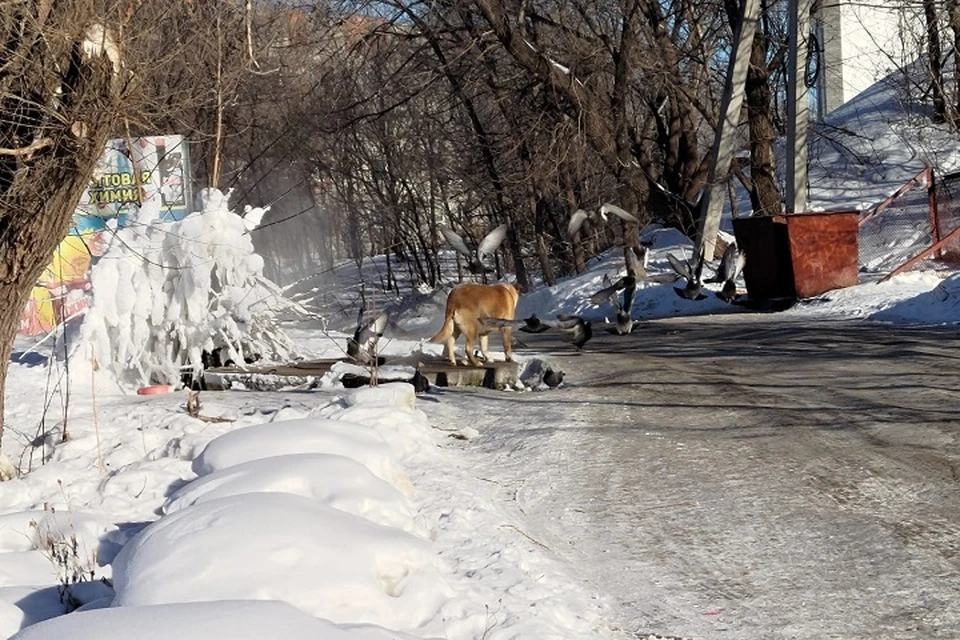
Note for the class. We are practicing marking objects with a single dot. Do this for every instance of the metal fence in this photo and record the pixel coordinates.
(917, 225)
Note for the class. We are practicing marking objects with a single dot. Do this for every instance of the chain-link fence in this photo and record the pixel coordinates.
(948, 218)
(897, 229)
(917, 226)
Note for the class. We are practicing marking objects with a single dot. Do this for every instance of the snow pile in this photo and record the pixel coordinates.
(167, 295)
(233, 619)
(338, 481)
(308, 435)
(280, 546)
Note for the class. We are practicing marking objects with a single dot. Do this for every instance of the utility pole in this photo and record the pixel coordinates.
(723, 146)
(797, 106)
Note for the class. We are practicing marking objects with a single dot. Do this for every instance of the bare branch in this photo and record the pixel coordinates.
(27, 150)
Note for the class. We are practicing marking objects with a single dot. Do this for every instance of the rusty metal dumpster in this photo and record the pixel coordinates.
(798, 255)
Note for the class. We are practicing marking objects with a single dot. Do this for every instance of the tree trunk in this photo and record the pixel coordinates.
(765, 194)
(953, 11)
(72, 117)
(539, 209)
(935, 64)
(15, 298)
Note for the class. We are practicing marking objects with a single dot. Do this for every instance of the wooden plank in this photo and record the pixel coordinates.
(493, 375)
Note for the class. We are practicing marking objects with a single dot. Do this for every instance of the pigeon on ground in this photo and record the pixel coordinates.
(691, 270)
(624, 311)
(552, 378)
(731, 265)
(577, 327)
(611, 293)
(420, 382)
(476, 258)
(362, 347)
(580, 216)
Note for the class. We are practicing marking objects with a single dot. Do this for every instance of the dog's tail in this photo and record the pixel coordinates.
(446, 331)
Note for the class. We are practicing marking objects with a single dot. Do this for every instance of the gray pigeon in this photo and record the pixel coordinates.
(552, 378)
(611, 293)
(691, 270)
(533, 324)
(624, 311)
(636, 260)
(362, 347)
(476, 258)
(577, 327)
(489, 324)
(580, 216)
(420, 382)
(731, 265)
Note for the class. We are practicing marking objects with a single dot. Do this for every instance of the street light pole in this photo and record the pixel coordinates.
(723, 148)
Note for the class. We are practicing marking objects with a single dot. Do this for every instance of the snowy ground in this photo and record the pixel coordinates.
(348, 505)
(326, 513)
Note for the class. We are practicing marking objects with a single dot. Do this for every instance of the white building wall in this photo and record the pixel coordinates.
(863, 43)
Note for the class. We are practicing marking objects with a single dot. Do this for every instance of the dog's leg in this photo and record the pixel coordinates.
(507, 333)
(471, 338)
(485, 347)
(451, 353)
(452, 346)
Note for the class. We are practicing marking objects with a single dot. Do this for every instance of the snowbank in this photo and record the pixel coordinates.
(307, 435)
(337, 481)
(277, 546)
(224, 620)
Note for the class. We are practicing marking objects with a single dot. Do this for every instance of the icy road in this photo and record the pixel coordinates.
(740, 477)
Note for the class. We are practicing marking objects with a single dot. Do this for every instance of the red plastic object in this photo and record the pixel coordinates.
(155, 389)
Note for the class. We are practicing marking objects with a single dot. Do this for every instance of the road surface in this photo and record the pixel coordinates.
(742, 476)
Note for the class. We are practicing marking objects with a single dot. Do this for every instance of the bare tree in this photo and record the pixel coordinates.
(767, 55)
(60, 91)
(953, 19)
(934, 62)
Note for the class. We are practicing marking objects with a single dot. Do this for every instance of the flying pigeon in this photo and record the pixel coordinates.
(362, 347)
(489, 324)
(533, 324)
(552, 378)
(580, 329)
(691, 270)
(624, 311)
(623, 214)
(486, 248)
(611, 293)
(636, 261)
(731, 265)
(580, 215)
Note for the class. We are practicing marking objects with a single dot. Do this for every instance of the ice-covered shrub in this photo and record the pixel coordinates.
(167, 295)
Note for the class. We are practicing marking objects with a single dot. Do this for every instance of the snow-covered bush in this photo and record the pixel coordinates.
(167, 295)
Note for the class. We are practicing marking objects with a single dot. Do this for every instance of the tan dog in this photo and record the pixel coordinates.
(468, 306)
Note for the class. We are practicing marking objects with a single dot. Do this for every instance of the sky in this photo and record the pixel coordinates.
(317, 512)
